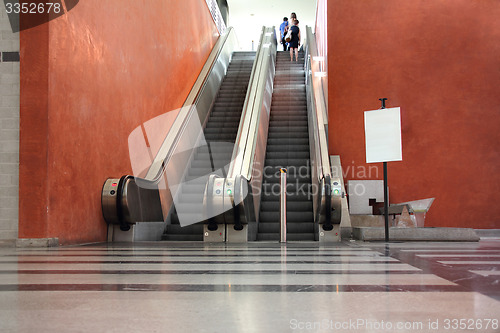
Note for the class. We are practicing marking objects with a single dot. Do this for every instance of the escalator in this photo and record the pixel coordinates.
(288, 147)
(166, 201)
(214, 156)
(284, 126)
(216, 176)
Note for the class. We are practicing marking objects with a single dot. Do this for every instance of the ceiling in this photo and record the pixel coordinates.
(248, 17)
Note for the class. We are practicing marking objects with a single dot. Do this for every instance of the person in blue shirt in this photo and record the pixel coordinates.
(283, 31)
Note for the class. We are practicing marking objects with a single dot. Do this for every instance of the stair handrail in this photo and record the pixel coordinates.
(318, 106)
(327, 203)
(258, 100)
(175, 132)
(115, 201)
(239, 204)
(245, 112)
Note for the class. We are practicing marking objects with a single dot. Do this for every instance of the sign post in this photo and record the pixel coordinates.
(383, 144)
(386, 194)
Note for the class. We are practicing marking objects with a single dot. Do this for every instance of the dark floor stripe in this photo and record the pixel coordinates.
(201, 272)
(197, 262)
(474, 267)
(459, 258)
(201, 255)
(211, 249)
(458, 274)
(231, 288)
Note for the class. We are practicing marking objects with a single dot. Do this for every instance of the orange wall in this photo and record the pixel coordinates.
(439, 61)
(88, 79)
(321, 28)
(321, 34)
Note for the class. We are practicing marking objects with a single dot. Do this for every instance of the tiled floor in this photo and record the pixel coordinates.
(259, 287)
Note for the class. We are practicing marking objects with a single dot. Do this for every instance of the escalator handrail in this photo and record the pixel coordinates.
(245, 114)
(246, 140)
(186, 112)
(318, 107)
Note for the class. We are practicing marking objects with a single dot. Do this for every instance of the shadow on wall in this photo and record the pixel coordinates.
(26, 15)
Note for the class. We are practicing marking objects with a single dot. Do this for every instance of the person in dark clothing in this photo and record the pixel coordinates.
(295, 42)
(283, 30)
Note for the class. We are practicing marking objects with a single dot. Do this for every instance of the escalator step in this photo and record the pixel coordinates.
(216, 156)
(220, 137)
(301, 176)
(298, 217)
(215, 148)
(199, 172)
(215, 130)
(285, 129)
(288, 117)
(266, 237)
(275, 206)
(220, 133)
(296, 197)
(288, 142)
(288, 155)
(292, 189)
(226, 118)
(291, 228)
(285, 162)
(285, 147)
(288, 146)
(207, 163)
(288, 123)
(287, 135)
(300, 237)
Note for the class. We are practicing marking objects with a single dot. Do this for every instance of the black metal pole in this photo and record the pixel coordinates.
(386, 195)
(383, 102)
(386, 204)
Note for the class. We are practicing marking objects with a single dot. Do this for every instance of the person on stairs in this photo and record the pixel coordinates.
(283, 30)
(295, 42)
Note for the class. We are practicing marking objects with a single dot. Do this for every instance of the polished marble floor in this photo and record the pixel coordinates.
(258, 287)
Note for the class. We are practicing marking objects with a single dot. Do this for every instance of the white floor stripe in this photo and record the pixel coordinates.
(277, 259)
(486, 273)
(278, 279)
(194, 253)
(199, 248)
(451, 250)
(469, 262)
(213, 267)
(459, 255)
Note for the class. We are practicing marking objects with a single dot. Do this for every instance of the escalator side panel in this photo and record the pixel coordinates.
(213, 157)
(288, 147)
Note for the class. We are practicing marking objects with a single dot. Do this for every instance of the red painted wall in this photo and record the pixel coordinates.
(321, 34)
(439, 61)
(88, 79)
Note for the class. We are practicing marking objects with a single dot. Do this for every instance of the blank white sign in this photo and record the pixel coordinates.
(383, 135)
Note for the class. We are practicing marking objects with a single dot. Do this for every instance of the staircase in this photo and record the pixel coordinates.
(287, 147)
(220, 134)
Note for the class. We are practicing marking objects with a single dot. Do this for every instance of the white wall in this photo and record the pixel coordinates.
(248, 17)
(9, 131)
